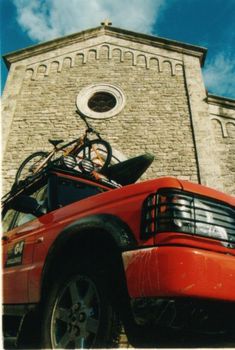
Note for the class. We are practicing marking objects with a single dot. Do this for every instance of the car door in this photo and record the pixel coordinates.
(18, 246)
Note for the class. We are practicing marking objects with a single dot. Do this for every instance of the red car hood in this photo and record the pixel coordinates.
(207, 191)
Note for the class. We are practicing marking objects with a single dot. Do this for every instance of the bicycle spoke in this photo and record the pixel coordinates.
(31, 165)
(98, 155)
(98, 151)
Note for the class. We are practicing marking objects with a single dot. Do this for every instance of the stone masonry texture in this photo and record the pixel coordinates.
(222, 120)
(156, 117)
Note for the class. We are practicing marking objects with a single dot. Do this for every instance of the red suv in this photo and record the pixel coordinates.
(82, 256)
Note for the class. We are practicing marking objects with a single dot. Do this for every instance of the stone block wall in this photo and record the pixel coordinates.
(155, 118)
(222, 118)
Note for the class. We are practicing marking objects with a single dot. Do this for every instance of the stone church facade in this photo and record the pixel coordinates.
(155, 95)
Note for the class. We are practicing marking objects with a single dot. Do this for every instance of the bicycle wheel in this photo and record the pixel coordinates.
(98, 151)
(29, 165)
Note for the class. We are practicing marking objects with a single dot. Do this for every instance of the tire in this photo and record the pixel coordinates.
(78, 314)
(26, 168)
(95, 150)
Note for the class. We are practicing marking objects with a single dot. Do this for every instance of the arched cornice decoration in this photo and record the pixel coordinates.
(125, 53)
(141, 59)
(93, 53)
(168, 62)
(120, 52)
(109, 50)
(223, 122)
(67, 61)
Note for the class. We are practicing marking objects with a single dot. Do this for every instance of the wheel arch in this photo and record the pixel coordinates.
(97, 239)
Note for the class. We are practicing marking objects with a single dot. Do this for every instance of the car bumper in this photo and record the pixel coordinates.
(172, 271)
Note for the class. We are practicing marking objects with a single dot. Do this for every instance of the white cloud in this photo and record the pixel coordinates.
(219, 75)
(47, 19)
(43, 20)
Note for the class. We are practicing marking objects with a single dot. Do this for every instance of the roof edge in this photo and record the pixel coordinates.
(46, 46)
(155, 41)
(221, 101)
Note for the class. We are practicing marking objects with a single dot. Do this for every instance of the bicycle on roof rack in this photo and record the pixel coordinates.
(88, 154)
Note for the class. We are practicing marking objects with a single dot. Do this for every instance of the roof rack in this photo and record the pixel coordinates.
(118, 175)
(32, 179)
(22, 186)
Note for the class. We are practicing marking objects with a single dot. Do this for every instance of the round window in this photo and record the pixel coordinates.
(100, 101)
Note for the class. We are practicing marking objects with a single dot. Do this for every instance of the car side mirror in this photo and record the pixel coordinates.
(26, 204)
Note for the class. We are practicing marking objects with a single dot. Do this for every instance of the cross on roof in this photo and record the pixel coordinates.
(106, 22)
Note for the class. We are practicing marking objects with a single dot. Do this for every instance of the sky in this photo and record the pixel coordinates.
(206, 23)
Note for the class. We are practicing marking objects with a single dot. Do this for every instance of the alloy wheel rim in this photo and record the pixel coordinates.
(76, 315)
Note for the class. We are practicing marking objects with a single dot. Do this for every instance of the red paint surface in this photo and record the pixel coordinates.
(199, 267)
(172, 271)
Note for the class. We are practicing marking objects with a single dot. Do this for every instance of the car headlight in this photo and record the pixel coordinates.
(178, 211)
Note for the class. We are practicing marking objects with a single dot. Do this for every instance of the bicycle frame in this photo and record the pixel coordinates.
(56, 150)
(44, 162)
(95, 149)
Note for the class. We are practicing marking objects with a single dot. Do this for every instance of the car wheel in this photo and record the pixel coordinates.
(78, 314)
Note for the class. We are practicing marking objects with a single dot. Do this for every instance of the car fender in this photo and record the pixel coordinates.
(118, 230)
